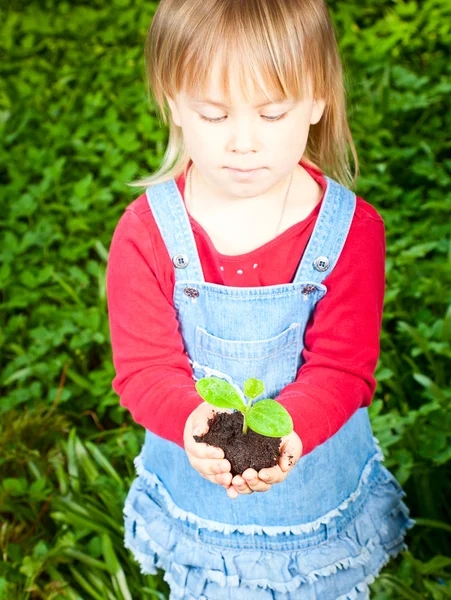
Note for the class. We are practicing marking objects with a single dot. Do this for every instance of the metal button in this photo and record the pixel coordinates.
(309, 289)
(321, 263)
(180, 261)
(191, 292)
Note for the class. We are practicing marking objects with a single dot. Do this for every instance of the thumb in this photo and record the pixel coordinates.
(200, 423)
(199, 428)
(291, 450)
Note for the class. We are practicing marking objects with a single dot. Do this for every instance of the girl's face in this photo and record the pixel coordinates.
(271, 137)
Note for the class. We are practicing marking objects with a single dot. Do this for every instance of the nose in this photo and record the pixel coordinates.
(243, 137)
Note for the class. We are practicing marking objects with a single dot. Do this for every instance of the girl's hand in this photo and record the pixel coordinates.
(208, 460)
(251, 481)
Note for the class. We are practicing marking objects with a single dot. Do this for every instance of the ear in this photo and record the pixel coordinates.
(317, 111)
(174, 111)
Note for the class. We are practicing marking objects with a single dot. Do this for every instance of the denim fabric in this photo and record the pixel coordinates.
(327, 530)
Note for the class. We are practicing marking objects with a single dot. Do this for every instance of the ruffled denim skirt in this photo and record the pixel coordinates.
(337, 560)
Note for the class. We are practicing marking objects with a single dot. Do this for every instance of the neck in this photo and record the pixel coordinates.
(200, 195)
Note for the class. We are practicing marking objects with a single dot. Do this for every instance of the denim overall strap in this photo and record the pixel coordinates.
(172, 219)
(329, 234)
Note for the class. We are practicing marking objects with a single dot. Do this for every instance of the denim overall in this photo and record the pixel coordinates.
(327, 530)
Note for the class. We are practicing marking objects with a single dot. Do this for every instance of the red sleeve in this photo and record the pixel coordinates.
(153, 375)
(342, 340)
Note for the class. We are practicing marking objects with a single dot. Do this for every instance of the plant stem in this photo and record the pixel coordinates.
(248, 408)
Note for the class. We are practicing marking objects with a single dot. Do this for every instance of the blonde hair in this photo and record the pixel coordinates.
(286, 45)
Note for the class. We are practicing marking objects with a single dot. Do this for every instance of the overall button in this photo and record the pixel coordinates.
(191, 292)
(180, 261)
(308, 289)
(321, 263)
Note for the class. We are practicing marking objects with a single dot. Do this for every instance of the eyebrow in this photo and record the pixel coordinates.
(210, 101)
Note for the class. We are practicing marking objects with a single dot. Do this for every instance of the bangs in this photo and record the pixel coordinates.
(253, 45)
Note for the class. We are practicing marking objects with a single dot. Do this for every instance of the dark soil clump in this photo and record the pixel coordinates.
(243, 451)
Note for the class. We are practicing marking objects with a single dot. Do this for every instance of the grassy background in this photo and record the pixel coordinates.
(75, 126)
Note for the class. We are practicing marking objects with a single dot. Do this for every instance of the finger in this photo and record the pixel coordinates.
(290, 452)
(232, 493)
(200, 450)
(253, 481)
(272, 475)
(208, 466)
(199, 423)
(224, 479)
(214, 479)
(287, 460)
(241, 486)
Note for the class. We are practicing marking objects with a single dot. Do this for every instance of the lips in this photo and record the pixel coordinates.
(245, 170)
(240, 175)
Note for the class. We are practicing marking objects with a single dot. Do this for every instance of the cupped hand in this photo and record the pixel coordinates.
(251, 481)
(208, 460)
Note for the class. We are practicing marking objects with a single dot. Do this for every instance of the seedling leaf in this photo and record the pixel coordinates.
(270, 418)
(253, 388)
(220, 393)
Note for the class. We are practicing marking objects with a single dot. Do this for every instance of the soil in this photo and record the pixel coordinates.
(243, 451)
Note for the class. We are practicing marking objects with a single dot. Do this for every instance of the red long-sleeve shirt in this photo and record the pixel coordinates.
(153, 375)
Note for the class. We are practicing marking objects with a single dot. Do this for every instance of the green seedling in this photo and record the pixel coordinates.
(266, 417)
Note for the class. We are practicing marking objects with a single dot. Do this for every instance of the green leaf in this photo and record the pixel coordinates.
(270, 418)
(109, 555)
(402, 590)
(446, 329)
(432, 523)
(103, 462)
(435, 565)
(81, 580)
(405, 462)
(219, 393)
(15, 487)
(430, 385)
(253, 388)
(84, 558)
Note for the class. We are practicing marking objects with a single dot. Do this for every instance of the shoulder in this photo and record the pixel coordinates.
(139, 205)
(137, 232)
(367, 227)
(364, 211)
(133, 228)
(362, 257)
(366, 237)
(136, 217)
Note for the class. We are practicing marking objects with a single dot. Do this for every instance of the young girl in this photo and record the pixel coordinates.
(244, 259)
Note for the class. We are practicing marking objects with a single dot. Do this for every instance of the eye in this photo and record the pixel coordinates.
(220, 119)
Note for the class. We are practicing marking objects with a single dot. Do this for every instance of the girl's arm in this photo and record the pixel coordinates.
(342, 339)
(153, 375)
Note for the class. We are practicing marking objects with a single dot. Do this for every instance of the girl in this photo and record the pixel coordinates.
(244, 259)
